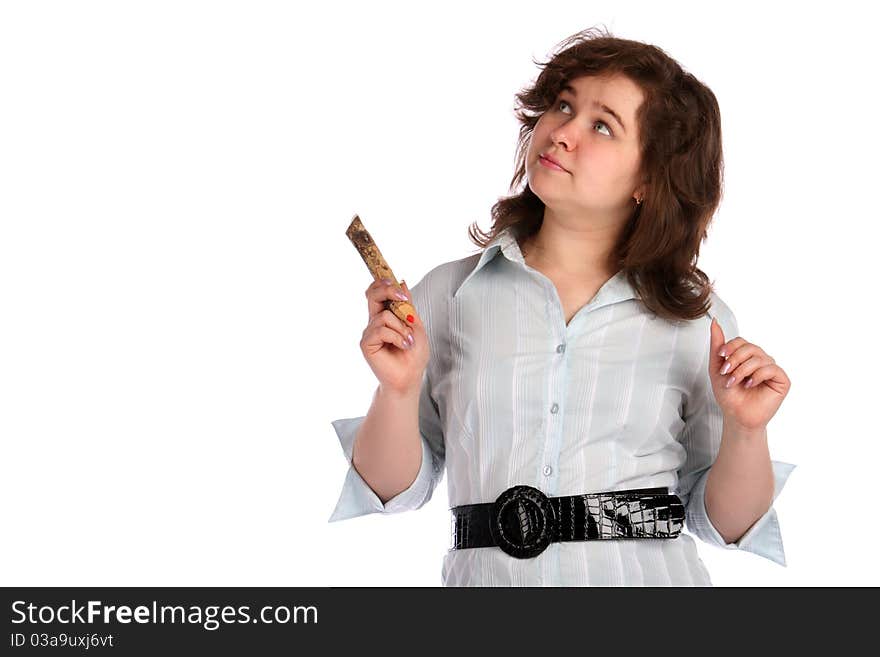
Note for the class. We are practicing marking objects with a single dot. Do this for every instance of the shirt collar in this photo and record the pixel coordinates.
(615, 289)
(504, 242)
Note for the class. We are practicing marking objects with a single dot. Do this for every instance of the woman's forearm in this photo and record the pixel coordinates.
(739, 488)
(387, 451)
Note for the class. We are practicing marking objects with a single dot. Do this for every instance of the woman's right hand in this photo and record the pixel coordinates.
(397, 363)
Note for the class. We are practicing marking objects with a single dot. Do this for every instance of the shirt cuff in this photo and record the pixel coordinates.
(358, 499)
(763, 538)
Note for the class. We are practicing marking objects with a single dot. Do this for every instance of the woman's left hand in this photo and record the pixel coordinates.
(748, 406)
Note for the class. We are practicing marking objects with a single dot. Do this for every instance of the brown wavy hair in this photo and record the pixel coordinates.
(681, 164)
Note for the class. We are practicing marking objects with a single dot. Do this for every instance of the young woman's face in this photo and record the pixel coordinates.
(601, 156)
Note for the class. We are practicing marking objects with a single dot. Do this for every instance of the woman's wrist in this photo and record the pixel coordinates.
(399, 394)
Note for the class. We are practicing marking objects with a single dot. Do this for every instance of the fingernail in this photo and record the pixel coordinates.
(726, 368)
(411, 338)
(748, 383)
(730, 382)
(722, 353)
(401, 295)
(387, 281)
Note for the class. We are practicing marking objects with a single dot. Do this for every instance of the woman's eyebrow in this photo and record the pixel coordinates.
(598, 104)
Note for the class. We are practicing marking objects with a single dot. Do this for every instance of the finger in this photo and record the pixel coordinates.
(751, 375)
(392, 321)
(717, 363)
(377, 335)
(715, 342)
(750, 365)
(772, 375)
(376, 285)
(380, 292)
(387, 335)
(731, 346)
(417, 322)
(737, 360)
(379, 282)
(382, 284)
(720, 347)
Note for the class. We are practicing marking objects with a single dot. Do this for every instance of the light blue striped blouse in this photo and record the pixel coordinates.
(619, 398)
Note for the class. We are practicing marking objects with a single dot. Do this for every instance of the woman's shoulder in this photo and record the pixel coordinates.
(445, 278)
(432, 297)
(694, 335)
(698, 327)
(720, 311)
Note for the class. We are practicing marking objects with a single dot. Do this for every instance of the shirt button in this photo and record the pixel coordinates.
(547, 470)
(554, 408)
(560, 349)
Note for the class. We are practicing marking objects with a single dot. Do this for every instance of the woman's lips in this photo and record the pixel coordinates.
(550, 165)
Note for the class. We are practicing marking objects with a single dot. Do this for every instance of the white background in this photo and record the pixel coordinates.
(180, 310)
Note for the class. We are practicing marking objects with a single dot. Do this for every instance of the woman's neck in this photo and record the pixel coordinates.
(583, 260)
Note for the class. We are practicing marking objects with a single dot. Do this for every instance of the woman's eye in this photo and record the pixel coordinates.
(563, 102)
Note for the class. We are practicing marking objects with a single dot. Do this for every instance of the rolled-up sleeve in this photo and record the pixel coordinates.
(763, 538)
(357, 498)
(701, 439)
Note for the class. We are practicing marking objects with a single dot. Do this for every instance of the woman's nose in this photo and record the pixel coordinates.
(561, 140)
(562, 136)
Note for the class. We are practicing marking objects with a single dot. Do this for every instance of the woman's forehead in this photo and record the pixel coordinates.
(616, 85)
(615, 91)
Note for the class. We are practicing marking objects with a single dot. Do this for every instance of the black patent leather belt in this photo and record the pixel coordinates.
(523, 521)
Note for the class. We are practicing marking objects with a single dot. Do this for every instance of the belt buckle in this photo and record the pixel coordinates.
(523, 521)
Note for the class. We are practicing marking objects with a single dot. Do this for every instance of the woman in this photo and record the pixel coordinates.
(579, 379)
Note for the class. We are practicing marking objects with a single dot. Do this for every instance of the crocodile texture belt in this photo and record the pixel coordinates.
(523, 521)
